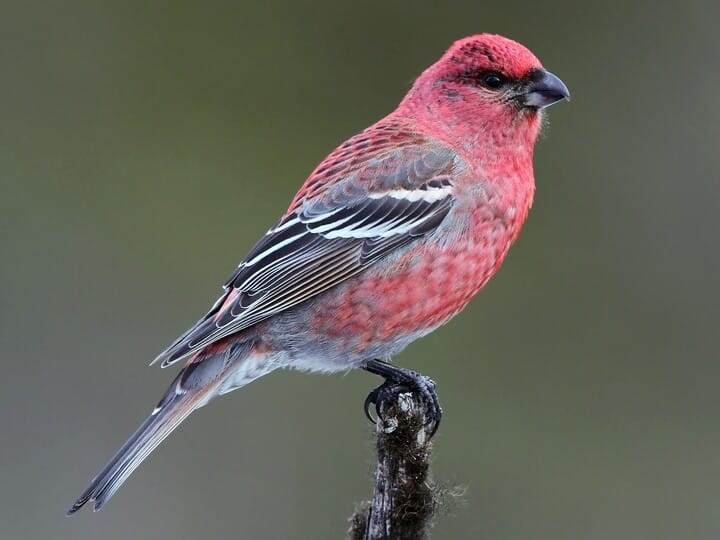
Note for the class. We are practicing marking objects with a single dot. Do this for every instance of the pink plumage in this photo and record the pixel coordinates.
(389, 237)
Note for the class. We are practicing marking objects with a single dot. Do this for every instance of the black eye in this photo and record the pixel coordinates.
(493, 80)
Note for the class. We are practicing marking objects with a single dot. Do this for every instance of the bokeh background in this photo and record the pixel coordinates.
(144, 146)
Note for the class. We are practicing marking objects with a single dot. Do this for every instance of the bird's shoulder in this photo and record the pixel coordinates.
(389, 156)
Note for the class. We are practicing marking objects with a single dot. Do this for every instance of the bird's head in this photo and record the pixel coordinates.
(486, 84)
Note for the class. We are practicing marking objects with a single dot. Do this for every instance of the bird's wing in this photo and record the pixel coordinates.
(367, 199)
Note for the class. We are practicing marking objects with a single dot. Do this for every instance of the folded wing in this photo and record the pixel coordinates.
(335, 229)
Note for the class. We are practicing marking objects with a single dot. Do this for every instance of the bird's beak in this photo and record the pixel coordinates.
(545, 90)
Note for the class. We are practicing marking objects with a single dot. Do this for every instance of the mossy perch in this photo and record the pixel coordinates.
(404, 499)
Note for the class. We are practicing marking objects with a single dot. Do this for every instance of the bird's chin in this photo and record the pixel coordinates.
(529, 123)
(530, 113)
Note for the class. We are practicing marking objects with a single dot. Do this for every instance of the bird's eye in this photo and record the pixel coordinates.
(493, 80)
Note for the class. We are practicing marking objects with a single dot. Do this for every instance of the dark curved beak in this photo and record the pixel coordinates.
(545, 89)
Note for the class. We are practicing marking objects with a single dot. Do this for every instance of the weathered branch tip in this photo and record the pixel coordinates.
(404, 499)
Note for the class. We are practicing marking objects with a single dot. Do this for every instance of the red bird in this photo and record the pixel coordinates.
(389, 238)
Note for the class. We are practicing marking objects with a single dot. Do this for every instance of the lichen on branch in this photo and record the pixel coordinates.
(404, 498)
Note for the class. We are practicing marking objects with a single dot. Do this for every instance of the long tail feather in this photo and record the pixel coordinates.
(194, 386)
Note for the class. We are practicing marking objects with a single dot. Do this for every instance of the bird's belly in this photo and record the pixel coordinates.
(379, 312)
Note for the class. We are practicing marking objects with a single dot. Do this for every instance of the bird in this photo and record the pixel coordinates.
(389, 237)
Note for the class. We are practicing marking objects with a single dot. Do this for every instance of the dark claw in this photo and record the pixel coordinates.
(371, 399)
(397, 380)
(381, 393)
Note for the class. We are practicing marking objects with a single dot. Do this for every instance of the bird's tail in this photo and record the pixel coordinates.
(198, 382)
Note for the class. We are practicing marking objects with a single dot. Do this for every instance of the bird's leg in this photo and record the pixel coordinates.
(399, 379)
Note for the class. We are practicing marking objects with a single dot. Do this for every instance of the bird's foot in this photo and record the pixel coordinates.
(398, 380)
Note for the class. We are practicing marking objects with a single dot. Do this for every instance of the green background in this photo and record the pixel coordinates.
(144, 146)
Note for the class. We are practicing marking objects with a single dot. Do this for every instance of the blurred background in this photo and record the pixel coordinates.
(145, 146)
